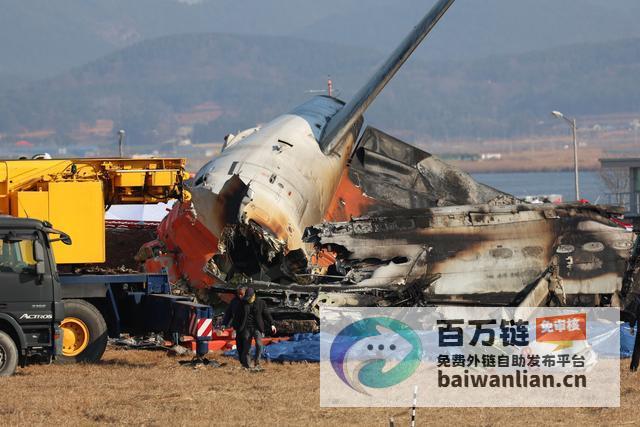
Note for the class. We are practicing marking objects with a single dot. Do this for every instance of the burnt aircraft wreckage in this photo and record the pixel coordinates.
(314, 211)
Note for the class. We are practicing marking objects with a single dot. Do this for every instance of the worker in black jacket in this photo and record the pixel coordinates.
(234, 314)
(256, 320)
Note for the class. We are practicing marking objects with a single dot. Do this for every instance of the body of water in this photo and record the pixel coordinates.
(592, 187)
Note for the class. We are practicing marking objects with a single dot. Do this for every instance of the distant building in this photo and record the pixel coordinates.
(622, 176)
(491, 156)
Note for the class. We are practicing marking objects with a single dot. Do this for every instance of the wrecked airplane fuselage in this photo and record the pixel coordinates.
(404, 227)
(401, 227)
(269, 183)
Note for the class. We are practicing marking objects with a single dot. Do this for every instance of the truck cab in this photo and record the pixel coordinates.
(45, 315)
(31, 307)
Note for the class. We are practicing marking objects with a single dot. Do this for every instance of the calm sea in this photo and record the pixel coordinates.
(592, 187)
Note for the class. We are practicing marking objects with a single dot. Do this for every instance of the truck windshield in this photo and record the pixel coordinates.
(16, 256)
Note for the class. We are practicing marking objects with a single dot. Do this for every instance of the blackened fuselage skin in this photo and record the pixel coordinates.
(481, 253)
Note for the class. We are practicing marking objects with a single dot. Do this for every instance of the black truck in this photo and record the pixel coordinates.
(31, 307)
(45, 315)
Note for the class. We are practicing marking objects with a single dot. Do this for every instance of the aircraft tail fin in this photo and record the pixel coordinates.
(348, 116)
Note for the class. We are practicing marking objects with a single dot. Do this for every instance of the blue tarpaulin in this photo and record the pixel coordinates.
(626, 340)
(300, 348)
(306, 347)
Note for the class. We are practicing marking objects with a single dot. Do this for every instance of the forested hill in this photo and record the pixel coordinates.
(45, 37)
(157, 86)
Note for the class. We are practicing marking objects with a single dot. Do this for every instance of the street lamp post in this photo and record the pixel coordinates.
(572, 123)
(121, 134)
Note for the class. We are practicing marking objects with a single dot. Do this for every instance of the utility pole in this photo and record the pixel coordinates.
(574, 131)
(121, 134)
(635, 125)
(575, 157)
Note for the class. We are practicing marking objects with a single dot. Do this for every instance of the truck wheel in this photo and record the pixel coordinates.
(84, 333)
(8, 355)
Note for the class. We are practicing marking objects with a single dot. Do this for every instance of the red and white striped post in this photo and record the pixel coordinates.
(201, 328)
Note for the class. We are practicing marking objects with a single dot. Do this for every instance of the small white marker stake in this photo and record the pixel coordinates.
(413, 408)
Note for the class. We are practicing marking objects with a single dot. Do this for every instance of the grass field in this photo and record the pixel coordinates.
(149, 388)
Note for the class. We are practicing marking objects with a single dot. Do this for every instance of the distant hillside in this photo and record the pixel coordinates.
(10, 81)
(508, 95)
(45, 37)
(48, 37)
(213, 84)
(150, 87)
(474, 29)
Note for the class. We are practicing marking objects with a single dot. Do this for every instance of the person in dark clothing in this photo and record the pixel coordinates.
(234, 315)
(256, 319)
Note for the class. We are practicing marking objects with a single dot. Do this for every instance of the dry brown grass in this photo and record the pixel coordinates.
(148, 387)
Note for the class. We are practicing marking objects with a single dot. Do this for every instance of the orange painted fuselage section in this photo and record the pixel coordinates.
(182, 249)
(185, 246)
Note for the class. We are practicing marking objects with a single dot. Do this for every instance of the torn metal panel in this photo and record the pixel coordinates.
(386, 173)
(480, 250)
(221, 208)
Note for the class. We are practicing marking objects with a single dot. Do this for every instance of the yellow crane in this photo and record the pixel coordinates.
(73, 195)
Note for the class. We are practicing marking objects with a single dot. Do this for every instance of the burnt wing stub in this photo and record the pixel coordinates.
(397, 174)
